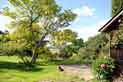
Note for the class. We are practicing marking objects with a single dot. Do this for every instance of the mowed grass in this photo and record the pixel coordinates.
(12, 71)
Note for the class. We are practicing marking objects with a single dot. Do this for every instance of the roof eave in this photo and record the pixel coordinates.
(104, 28)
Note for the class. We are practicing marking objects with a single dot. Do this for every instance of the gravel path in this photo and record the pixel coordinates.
(82, 71)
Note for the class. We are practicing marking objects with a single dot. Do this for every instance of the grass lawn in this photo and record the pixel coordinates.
(11, 71)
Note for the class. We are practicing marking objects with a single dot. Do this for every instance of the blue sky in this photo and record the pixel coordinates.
(92, 14)
(3, 3)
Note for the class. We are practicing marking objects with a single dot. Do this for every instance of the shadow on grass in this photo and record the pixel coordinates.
(17, 66)
(64, 62)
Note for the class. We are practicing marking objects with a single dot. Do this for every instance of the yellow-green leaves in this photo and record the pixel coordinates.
(67, 15)
(7, 12)
(117, 5)
(34, 20)
(61, 37)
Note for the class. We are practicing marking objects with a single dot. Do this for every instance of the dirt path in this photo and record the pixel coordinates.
(82, 71)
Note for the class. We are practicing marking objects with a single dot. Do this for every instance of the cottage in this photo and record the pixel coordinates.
(111, 28)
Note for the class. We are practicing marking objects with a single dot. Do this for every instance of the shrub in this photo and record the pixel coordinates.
(86, 55)
(103, 68)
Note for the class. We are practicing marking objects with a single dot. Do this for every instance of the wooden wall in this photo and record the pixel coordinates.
(117, 54)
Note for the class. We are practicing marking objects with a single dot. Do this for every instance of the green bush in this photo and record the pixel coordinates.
(87, 56)
(103, 68)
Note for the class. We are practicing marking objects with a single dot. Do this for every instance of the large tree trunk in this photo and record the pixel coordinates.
(34, 56)
(38, 44)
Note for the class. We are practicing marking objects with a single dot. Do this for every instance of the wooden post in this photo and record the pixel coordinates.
(110, 44)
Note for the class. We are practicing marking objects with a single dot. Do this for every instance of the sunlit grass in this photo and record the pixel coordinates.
(11, 71)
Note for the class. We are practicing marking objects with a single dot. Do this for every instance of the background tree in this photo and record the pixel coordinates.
(4, 38)
(74, 47)
(95, 47)
(117, 39)
(117, 5)
(33, 21)
(62, 40)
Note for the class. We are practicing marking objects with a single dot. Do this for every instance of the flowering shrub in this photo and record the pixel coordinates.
(103, 68)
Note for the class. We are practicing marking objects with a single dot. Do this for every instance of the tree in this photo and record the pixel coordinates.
(117, 5)
(61, 40)
(67, 43)
(75, 46)
(34, 20)
(4, 38)
(117, 39)
(98, 41)
(95, 47)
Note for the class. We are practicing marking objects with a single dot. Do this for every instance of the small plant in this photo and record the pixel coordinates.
(103, 68)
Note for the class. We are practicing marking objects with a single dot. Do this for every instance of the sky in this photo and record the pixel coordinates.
(91, 15)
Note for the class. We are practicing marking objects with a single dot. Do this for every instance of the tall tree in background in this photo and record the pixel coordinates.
(117, 5)
(34, 20)
(66, 43)
(95, 47)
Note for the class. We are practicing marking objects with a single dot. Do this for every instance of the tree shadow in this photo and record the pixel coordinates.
(17, 66)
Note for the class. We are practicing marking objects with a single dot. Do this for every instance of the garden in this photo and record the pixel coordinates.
(39, 46)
